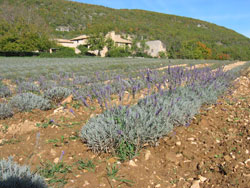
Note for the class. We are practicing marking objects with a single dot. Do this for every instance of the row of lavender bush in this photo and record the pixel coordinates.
(157, 114)
(31, 94)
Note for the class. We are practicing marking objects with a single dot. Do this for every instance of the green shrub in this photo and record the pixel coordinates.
(118, 52)
(142, 54)
(84, 49)
(163, 54)
(61, 52)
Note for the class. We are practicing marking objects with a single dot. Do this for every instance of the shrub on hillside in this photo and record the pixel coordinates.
(29, 101)
(13, 175)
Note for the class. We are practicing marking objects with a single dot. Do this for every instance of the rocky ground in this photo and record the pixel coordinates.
(213, 151)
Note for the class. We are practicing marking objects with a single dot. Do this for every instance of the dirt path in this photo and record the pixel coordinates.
(233, 65)
(172, 66)
(185, 65)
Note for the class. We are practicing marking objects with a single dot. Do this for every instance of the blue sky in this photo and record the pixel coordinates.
(233, 14)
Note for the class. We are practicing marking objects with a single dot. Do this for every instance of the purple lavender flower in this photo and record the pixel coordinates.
(51, 121)
(158, 111)
(119, 132)
(72, 111)
(37, 139)
(62, 154)
(187, 124)
(169, 113)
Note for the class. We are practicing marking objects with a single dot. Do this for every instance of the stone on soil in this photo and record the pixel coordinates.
(147, 155)
(67, 100)
(132, 163)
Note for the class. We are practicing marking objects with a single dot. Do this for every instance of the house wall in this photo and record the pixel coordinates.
(80, 42)
(70, 45)
(104, 51)
(155, 47)
(122, 44)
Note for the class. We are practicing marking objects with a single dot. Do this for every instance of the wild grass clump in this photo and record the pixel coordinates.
(28, 101)
(5, 111)
(13, 175)
(57, 93)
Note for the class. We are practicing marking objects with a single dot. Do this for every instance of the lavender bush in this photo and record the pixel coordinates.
(13, 175)
(24, 87)
(29, 101)
(4, 91)
(57, 93)
(5, 111)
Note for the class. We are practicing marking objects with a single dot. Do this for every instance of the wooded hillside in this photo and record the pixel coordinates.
(68, 19)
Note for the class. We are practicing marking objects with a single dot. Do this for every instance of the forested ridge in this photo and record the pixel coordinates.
(184, 37)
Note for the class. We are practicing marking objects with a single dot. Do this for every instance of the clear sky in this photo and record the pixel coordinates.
(233, 14)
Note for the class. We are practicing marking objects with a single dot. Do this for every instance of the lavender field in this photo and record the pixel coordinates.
(141, 100)
(30, 83)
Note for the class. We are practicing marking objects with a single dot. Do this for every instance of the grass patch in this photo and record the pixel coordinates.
(55, 173)
(88, 165)
(125, 150)
(112, 173)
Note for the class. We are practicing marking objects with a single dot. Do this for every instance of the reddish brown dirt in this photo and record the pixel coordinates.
(211, 152)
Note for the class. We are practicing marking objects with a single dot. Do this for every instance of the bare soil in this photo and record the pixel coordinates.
(213, 151)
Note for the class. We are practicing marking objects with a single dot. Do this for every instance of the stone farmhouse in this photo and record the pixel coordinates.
(83, 40)
(74, 43)
(154, 46)
(118, 40)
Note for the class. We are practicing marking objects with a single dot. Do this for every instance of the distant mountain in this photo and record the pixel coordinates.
(69, 19)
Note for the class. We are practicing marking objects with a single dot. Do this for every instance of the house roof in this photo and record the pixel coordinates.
(80, 37)
(117, 38)
(121, 40)
(64, 41)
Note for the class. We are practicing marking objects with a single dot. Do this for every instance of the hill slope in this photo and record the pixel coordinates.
(173, 30)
